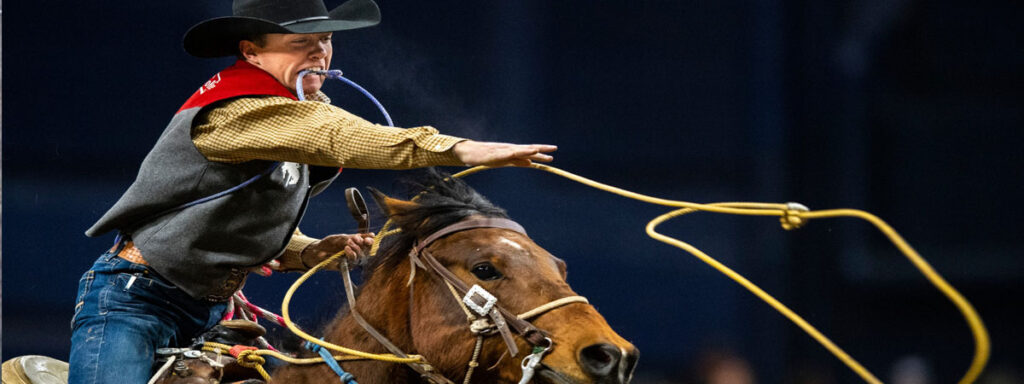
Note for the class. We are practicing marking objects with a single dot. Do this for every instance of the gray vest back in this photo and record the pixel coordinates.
(208, 249)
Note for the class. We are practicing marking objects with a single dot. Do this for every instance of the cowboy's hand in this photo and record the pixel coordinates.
(474, 153)
(355, 247)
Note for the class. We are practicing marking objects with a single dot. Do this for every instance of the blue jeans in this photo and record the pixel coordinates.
(123, 313)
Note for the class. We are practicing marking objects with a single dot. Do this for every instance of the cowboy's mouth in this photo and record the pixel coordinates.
(317, 70)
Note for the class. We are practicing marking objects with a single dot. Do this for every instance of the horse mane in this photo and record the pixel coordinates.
(442, 200)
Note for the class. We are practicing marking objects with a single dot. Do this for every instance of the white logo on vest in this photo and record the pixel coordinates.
(290, 173)
(210, 84)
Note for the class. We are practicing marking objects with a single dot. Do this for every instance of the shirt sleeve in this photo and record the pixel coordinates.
(312, 132)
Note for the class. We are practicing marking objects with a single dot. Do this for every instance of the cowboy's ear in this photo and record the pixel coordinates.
(248, 51)
(391, 206)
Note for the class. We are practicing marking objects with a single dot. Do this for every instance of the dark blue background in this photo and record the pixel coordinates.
(908, 109)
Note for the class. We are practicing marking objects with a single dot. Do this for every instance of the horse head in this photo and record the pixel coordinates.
(420, 310)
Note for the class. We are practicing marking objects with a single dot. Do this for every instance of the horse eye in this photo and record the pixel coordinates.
(486, 271)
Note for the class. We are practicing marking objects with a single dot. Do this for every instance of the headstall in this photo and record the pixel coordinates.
(482, 309)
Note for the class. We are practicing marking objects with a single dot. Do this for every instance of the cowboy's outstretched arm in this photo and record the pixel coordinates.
(316, 133)
(276, 128)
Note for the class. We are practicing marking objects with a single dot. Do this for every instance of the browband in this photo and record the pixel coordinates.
(487, 222)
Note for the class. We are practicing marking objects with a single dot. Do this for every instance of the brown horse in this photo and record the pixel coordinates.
(425, 318)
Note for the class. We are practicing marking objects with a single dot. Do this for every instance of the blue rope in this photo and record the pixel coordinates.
(383, 111)
(329, 360)
(336, 74)
(120, 236)
(229, 190)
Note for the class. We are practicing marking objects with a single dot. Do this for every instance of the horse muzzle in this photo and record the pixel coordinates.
(608, 363)
(602, 363)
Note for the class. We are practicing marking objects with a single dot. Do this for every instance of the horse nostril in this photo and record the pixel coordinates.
(600, 359)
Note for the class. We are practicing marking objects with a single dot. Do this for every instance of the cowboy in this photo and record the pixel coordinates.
(225, 185)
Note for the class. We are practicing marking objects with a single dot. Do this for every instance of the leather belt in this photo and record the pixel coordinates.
(131, 253)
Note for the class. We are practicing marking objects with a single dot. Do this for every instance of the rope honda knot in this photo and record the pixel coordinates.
(792, 216)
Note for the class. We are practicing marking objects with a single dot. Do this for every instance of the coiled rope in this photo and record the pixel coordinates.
(791, 216)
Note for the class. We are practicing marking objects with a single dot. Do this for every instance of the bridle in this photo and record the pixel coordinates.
(475, 298)
(482, 310)
(485, 315)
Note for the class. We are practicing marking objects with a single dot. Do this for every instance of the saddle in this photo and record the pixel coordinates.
(190, 365)
(34, 369)
(195, 366)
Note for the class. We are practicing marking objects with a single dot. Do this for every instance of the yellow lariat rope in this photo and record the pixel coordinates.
(791, 216)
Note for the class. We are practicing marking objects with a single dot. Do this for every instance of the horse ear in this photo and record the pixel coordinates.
(391, 206)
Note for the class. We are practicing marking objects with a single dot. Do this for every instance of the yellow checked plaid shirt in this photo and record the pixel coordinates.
(313, 132)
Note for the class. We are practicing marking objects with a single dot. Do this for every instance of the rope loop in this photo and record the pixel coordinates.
(793, 216)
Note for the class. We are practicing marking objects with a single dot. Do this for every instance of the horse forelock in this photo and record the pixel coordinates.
(441, 201)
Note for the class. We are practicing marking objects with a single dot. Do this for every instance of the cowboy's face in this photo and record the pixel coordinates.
(285, 55)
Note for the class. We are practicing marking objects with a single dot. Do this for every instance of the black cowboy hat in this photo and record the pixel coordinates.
(220, 36)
